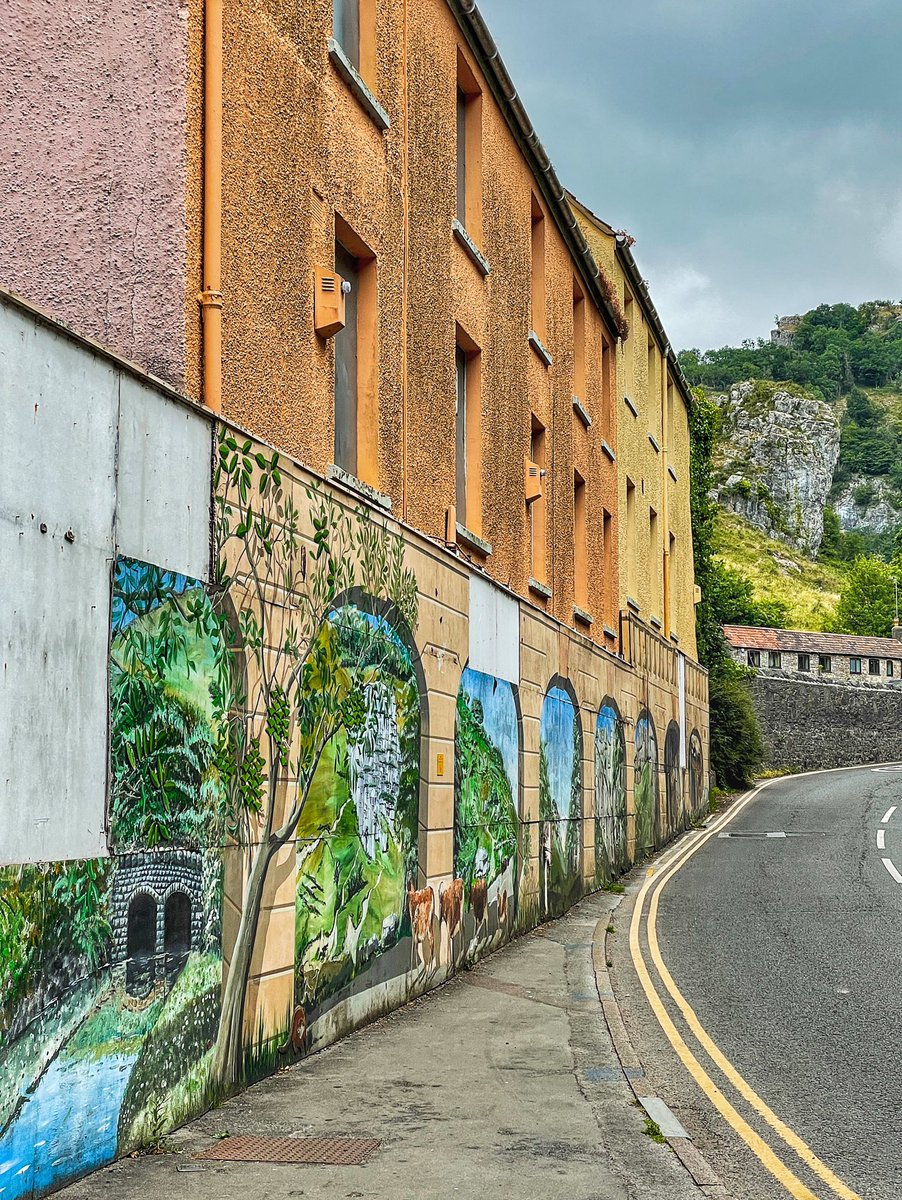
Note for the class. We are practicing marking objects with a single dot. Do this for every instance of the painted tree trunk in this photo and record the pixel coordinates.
(226, 1069)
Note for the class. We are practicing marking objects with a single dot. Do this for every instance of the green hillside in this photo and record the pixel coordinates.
(809, 590)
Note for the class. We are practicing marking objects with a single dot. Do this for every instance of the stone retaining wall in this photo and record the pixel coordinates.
(820, 725)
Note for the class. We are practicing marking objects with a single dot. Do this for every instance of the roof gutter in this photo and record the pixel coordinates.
(487, 54)
(638, 284)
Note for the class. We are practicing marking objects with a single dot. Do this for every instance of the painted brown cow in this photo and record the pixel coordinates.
(420, 905)
(451, 907)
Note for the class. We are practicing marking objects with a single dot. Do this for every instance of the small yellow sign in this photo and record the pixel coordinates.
(440, 765)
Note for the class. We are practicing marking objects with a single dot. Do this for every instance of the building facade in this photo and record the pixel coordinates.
(412, 666)
(832, 657)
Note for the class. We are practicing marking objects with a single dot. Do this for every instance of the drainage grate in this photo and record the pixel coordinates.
(326, 1152)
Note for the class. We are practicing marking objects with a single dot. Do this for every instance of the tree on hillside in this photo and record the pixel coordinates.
(867, 600)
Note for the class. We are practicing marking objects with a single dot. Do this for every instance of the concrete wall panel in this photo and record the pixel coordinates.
(494, 631)
(57, 459)
(165, 450)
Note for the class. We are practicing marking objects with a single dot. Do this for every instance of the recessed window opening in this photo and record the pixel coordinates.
(356, 360)
(469, 149)
(580, 556)
(537, 508)
(854, 666)
(468, 434)
(775, 660)
(824, 664)
(873, 666)
(754, 658)
(804, 662)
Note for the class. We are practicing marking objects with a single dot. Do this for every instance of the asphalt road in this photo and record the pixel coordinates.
(789, 949)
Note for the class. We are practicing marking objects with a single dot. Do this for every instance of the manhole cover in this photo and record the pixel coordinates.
(327, 1152)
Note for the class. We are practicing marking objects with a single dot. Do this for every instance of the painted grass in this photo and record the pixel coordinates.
(810, 590)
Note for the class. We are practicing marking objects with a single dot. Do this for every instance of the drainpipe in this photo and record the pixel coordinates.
(211, 297)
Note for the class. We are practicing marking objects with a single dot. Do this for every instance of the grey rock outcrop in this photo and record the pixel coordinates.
(867, 504)
(775, 462)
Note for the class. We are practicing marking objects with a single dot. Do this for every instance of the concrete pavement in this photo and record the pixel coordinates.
(503, 1083)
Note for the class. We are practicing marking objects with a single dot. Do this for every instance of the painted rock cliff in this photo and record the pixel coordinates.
(778, 450)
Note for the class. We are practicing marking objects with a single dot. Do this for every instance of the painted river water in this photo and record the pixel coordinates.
(67, 1125)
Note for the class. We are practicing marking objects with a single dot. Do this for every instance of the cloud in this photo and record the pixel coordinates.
(752, 147)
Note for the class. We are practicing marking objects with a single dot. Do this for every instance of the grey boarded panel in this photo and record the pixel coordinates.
(494, 631)
(165, 454)
(58, 412)
(58, 405)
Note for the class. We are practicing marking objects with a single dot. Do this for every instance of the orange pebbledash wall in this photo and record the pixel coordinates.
(301, 155)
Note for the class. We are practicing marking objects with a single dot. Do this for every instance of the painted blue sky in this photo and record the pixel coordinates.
(500, 718)
(556, 732)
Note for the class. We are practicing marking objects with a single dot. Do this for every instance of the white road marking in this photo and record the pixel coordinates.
(892, 870)
(663, 1117)
(779, 833)
(886, 816)
(881, 839)
(879, 769)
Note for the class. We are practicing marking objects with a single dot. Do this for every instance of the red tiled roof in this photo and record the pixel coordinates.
(748, 637)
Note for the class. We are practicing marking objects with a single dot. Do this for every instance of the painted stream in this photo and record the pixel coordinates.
(66, 1127)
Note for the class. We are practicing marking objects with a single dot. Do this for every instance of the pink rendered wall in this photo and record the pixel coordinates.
(92, 169)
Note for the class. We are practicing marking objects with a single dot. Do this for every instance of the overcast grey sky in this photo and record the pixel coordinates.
(752, 147)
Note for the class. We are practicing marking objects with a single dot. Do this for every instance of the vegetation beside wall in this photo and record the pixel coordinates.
(736, 745)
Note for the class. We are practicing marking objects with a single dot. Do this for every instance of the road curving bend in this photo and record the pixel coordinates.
(757, 966)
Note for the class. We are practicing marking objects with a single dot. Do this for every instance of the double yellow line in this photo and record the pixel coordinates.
(655, 884)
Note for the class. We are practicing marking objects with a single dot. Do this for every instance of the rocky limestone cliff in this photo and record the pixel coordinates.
(775, 462)
(867, 504)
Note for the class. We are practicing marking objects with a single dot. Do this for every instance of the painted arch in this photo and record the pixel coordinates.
(611, 854)
(560, 800)
(646, 789)
(673, 779)
(357, 836)
(477, 908)
(698, 790)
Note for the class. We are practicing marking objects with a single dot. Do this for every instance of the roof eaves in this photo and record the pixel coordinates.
(638, 284)
(490, 62)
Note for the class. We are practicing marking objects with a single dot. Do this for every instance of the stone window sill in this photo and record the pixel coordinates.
(653, 442)
(672, 473)
(473, 540)
(609, 632)
(536, 342)
(579, 409)
(583, 617)
(633, 605)
(362, 93)
(606, 449)
(656, 622)
(629, 404)
(476, 257)
(540, 589)
(352, 484)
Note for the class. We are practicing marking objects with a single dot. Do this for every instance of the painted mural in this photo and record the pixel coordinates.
(673, 780)
(698, 783)
(646, 789)
(324, 751)
(110, 969)
(357, 834)
(477, 908)
(560, 802)
(611, 852)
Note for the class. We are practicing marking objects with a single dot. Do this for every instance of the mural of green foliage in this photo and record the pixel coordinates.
(309, 713)
(560, 803)
(646, 786)
(611, 857)
(486, 825)
(357, 834)
(90, 1067)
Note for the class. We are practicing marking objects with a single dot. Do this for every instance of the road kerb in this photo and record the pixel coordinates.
(699, 1169)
